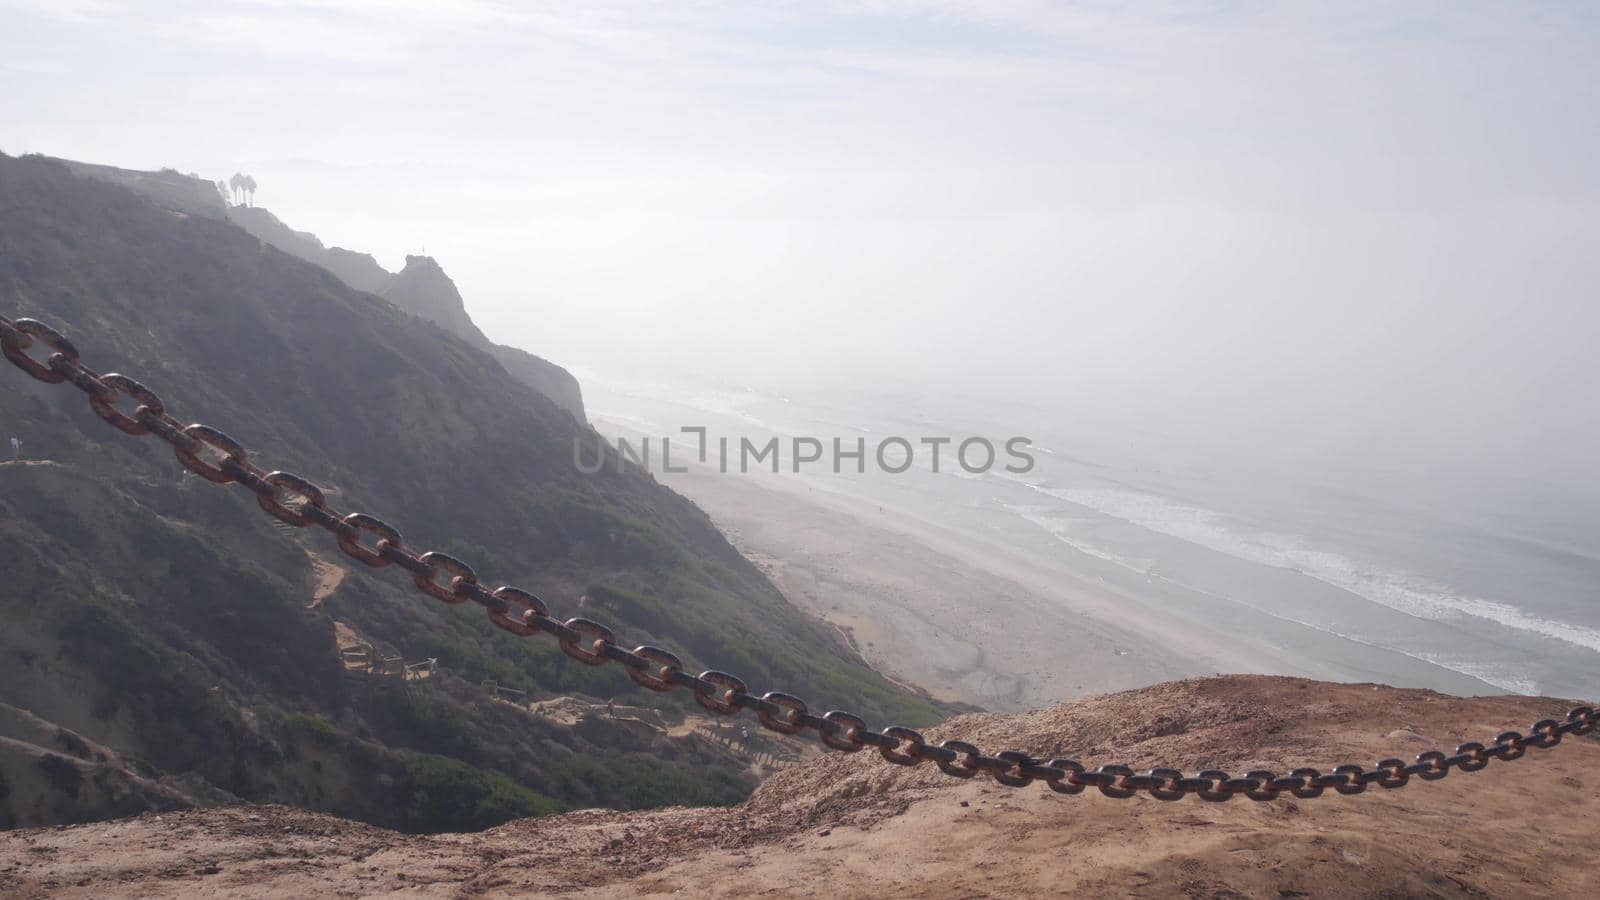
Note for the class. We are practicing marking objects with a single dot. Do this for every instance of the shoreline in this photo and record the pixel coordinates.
(967, 620)
(955, 617)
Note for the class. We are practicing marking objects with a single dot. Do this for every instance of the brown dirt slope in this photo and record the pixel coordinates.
(855, 826)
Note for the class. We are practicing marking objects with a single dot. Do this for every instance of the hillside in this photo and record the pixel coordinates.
(169, 188)
(421, 288)
(358, 270)
(855, 826)
(167, 644)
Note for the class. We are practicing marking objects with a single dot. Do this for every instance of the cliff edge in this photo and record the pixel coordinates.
(853, 825)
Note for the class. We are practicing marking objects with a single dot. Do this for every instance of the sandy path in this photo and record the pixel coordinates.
(329, 577)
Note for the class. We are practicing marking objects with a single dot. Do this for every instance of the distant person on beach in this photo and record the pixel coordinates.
(16, 448)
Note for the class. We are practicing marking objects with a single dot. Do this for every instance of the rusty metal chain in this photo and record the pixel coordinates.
(298, 502)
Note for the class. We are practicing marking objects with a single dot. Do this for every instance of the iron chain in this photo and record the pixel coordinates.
(299, 502)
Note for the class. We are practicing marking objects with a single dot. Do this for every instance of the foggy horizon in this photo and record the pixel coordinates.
(1362, 228)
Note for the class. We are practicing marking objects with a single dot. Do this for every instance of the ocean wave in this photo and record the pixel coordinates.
(737, 404)
(1063, 533)
(1497, 675)
(1401, 591)
(1502, 676)
(729, 404)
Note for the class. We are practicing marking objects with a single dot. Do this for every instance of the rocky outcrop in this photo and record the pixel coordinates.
(423, 289)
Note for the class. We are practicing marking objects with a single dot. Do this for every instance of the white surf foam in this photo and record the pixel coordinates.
(1401, 591)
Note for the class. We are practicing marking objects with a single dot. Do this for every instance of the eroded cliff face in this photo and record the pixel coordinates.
(856, 826)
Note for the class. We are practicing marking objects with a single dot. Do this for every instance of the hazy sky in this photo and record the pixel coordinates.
(1281, 215)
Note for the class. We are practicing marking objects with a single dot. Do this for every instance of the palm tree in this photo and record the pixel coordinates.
(237, 183)
(250, 189)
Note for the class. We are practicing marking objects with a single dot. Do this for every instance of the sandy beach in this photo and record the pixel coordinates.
(960, 619)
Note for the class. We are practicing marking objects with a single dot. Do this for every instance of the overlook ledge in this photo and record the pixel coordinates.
(857, 826)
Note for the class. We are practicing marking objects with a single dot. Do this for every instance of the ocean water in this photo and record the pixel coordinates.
(1405, 576)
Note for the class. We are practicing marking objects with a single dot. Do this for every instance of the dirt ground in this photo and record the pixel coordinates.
(852, 825)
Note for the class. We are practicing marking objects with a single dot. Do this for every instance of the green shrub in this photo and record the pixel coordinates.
(126, 654)
(446, 795)
(313, 727)
(424, 723)
(484, 561)
(623, 783)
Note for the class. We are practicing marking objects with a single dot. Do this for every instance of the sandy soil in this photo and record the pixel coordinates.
(854, 826)
(329, 577)
(963, 620)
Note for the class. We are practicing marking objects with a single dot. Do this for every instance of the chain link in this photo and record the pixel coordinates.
(299, 502)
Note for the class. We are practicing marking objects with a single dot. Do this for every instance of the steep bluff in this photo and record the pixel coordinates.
(166, 643)
(422, 288)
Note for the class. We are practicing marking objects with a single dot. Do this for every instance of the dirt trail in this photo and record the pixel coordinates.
(856, 826)
(329, 577)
